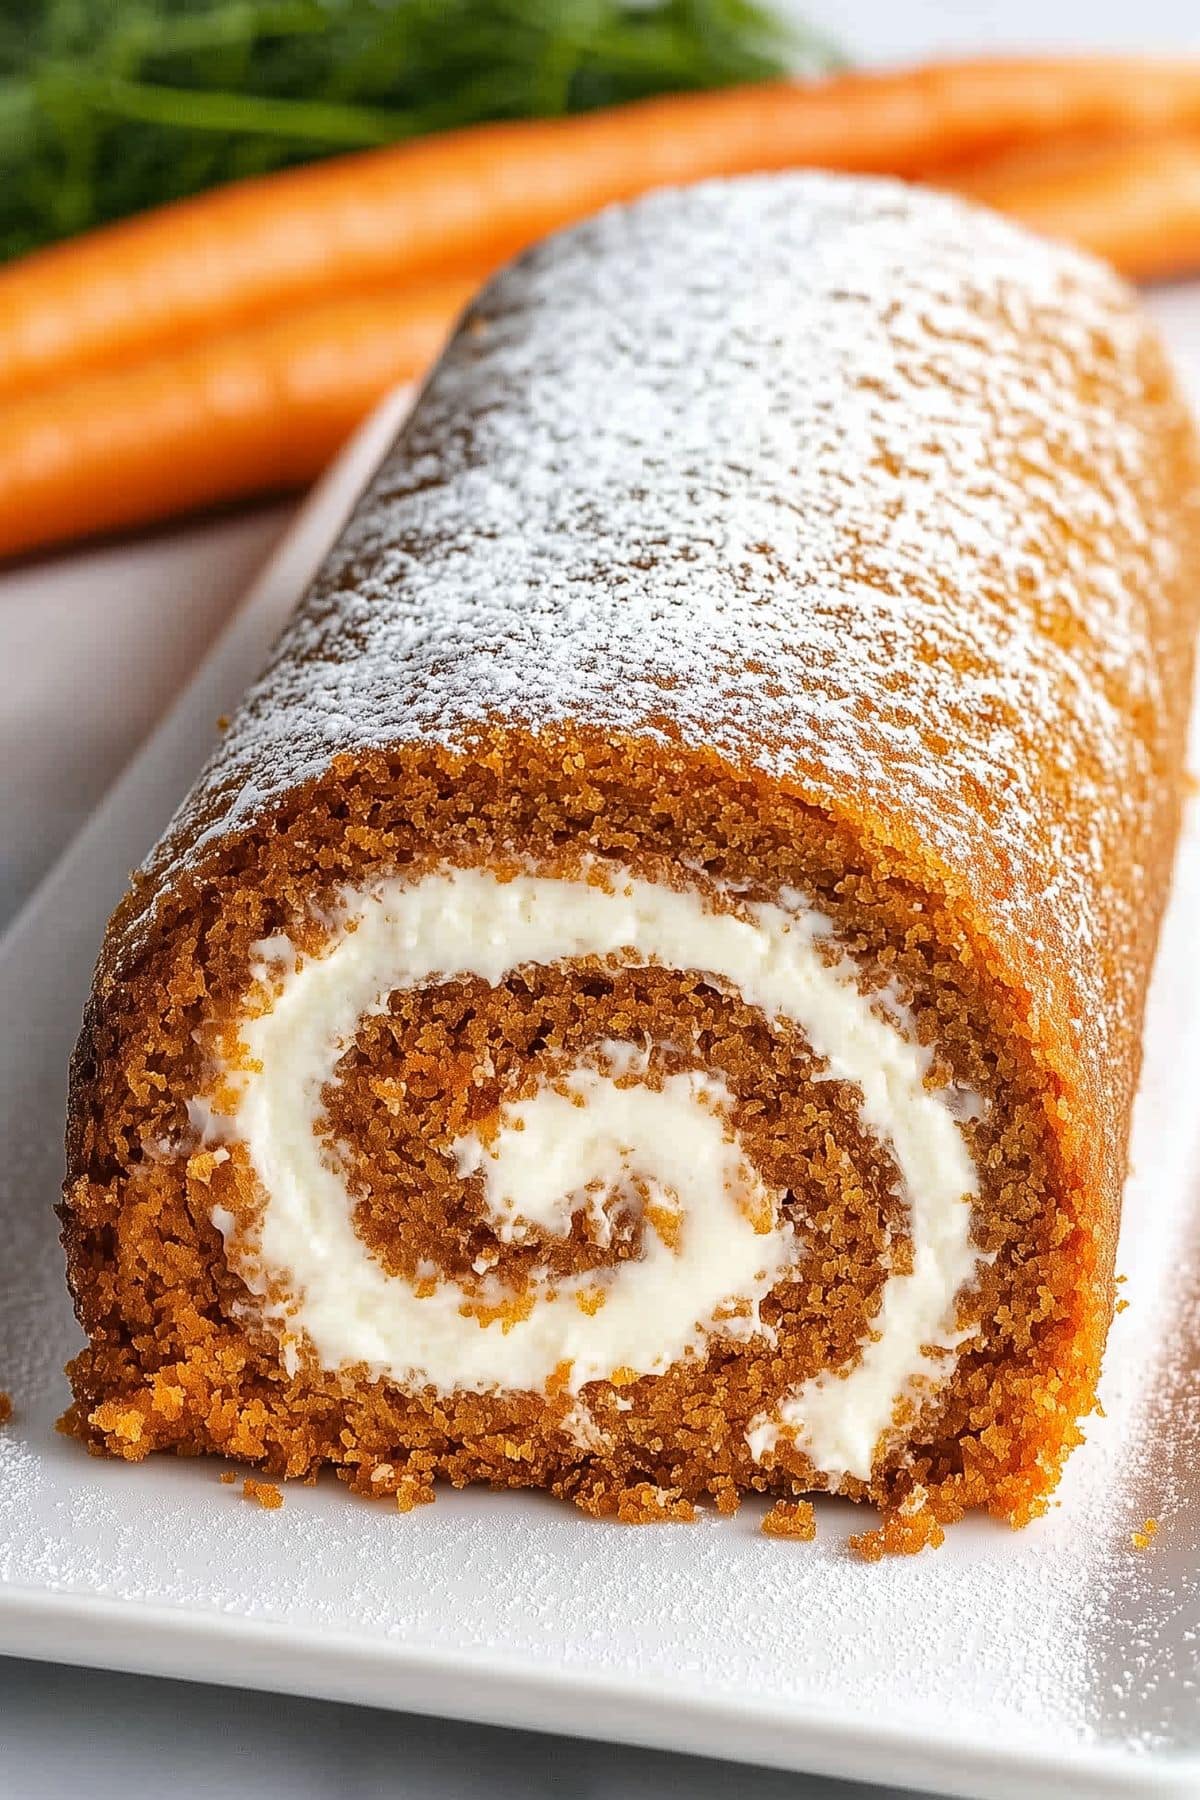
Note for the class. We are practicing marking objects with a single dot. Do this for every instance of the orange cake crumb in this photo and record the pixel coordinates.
(643, 1503)
(901, 1533)
(791, 1519)
(1142, 1538)
(414, 1493)
(265, 1492)
(227, 1478)
(647, 1504)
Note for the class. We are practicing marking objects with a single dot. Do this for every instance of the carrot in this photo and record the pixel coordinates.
(266, 407)
(1136, 204)
(470, 198)
(258, 410)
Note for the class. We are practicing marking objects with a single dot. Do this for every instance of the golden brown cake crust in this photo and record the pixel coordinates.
(884, 594)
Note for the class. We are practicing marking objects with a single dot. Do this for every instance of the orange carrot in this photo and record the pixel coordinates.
(266, 407)
(254, 411)
(471, 198)
(1136, 204)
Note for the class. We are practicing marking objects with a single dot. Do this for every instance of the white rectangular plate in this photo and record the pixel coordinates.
(995, 1666)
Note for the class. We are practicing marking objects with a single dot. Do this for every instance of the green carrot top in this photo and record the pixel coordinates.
(106, 110)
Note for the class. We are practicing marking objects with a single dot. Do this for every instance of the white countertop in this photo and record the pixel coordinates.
(93, 645)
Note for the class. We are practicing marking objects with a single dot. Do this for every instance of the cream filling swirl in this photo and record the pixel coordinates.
(596, 1132)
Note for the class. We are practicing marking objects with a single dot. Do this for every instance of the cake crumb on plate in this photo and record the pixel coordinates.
(265, 1492)
(791, 1519)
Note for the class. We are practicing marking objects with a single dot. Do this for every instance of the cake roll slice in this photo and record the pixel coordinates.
(644, 1001)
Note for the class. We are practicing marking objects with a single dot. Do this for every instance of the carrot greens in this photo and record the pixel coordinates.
(107, 109)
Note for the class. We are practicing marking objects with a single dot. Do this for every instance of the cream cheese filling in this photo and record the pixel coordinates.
(599, 1132)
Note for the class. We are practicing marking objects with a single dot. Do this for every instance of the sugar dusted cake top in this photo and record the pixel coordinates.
(846, 480)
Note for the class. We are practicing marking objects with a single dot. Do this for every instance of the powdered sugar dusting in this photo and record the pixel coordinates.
(851, 482)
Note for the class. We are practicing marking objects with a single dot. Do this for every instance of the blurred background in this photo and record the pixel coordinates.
(226, 230)
(166, 360)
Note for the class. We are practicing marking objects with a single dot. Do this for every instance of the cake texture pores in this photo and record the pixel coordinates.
(572, 1144)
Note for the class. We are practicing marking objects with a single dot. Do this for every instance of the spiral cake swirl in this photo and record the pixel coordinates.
(595, 1136)
(644, 1000)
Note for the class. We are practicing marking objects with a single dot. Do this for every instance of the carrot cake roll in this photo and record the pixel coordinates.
(644, 1002)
